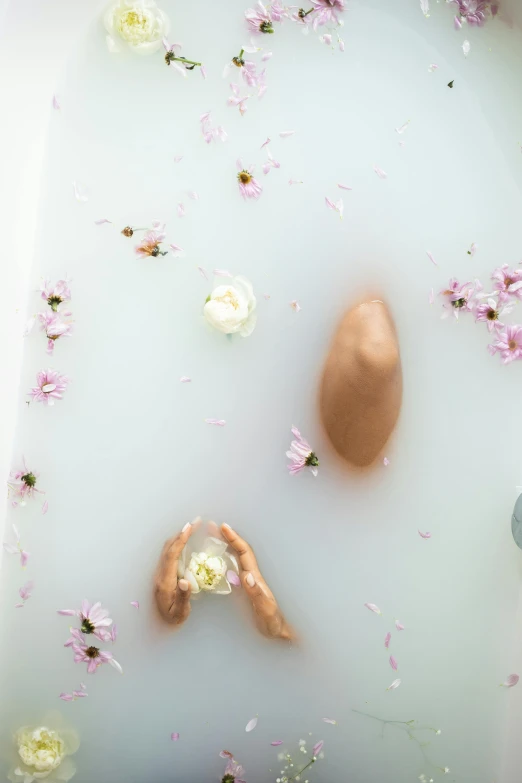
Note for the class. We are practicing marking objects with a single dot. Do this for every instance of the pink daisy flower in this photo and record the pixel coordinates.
(475, 12)
(51, 386)
(150, 244)
(326, 11)
(54, 328)
(55, 295)
(94, 619)
(508, 344)
(249, 187)
(93, 657)
(457, 297)
(258, 19)
(508, 282)
(301, 455)
(490, 312)
(233, 772)
(23, 484)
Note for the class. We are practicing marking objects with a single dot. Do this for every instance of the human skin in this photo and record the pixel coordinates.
(361, 388)
(173, 594)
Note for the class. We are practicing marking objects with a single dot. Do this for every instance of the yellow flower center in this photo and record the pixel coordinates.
(244, 177)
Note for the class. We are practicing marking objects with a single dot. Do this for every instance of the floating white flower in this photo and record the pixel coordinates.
(42, 752)
(138, 23)
(209, 569)
(231, 308)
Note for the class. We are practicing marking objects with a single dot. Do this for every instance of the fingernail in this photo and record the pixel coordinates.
(249, 579)
(186, 527)
(183, 585)
(227, 526)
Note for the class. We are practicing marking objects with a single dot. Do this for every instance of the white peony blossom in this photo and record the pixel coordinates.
(41, 748)
(207, 570)
(41, 752)
(138, 23)
(231, 308)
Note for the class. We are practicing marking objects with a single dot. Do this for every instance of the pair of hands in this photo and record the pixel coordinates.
(173, 594)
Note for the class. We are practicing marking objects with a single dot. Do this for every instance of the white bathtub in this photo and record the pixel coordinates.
(326, 547)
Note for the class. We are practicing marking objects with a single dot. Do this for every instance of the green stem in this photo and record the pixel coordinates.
(182, 60)
(241, 53)
(312, 761)
(308, 12)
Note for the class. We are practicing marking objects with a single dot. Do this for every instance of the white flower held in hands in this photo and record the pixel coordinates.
(139, 23)
(207, 570)
(231, 307)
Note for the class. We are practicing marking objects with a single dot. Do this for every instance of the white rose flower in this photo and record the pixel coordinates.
(209, 569)
(231, 307)
(41, 752)
(139, 23)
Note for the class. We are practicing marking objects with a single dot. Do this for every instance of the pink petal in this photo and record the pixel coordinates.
(393, 663)
(403, 127)
(430, 256)
(343, 187)
(178, 158)
(265, 143)
(457, 23)
(373, 608)
(101, 221)
(135, 604)
(202, 272)
(424, 535)
(511, 680)
(175, 248)
(80, 694)
(175, 736)
(66, 697)
(185, 379)
(222, 273)
(266, 296)
(68, 612)
(24, 557)
(56, 103)
(277, 742)
(233, 578)
(80, 192)
(45, 507)
(433, 67)
(399, 626)
(317, 748)
(330, 720)
(380, 173)
(387, 640)
(181, 210)
(193, 195)
(286, 134)
(431, 297)
(386, 462)
(25, 591)
(395, 684)
(203, 71)
(19, 606)
(226, 754)
(251, 724)
(295, 182)
(216, 422)
(266, 56)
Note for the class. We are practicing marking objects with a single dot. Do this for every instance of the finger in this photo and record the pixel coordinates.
(213, 530)
(180, 608)
(171, 554)
(258, 591)
(246, 556)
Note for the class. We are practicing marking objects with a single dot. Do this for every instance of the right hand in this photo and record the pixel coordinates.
(173, 594)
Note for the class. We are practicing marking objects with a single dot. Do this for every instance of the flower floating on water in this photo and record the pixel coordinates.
(23, 484)
(207, 570)
(326, 12)
(508, 282)
(171, 58)
(249, 187)
(233, 772)
(54, 328)
(17, 549)
(51, 386)
(57, 294)
(42, 752)
(490, 312)
(139, 24)
(457, 297)
(231, 307)
(475, 12)
(301, 455)
(92, 656)
(94, 619)
(259, 20)
(508, 344)
(150, 244)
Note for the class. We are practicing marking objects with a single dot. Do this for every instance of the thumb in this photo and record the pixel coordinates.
(181, 606)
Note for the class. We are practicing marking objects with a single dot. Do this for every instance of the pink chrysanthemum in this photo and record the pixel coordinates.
(23, 484)
(508, 282)
(490, 312)
(326, 11)
(301, 455)
(54, 328)
(508, 344)
(259, 20)
(233, 772)
(55, 295)
(150, 244)
(476, 12)
(94, 619)
(249, 187)
(93, 656)
(457, 298)
(51, 386)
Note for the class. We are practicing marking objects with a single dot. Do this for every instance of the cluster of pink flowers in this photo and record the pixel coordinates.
(490, 308)
(95, 621)
(474, 12)
(260, 19)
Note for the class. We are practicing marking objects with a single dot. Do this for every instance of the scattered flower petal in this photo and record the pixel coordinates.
(380, 173)
(296, 307)
(222, 273)
(433, 67)
(286, 134)
(393, 663)
(193, 195)
(178, 158)
(473, 249)
(425, 7)
(343, 187)
(511, 681)
(264, 144)
(295, 182)
(174, 736)
(56, 103)
(135, 604)
(185, 379)
(373, 608)
(233, 578)
(330, 720)
(266, 56)
(457, 23)
(399, 626)
(202, 272)
(424, 535)
(251, 724)
(317, 748)
(387, 640)
(175, 248)
(395, 684)
(216, 422)
(80, 192)
(45, 507)
(431, 297)
(203, 71)
(337, 206)
(101, 221)
(386, 462)
(181, 210)
(403, 127)
(277, 742)
(430, 256)
(466, 47)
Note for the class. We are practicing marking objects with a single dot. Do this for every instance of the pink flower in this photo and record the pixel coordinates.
(259, 20)
(93, 657)
(150, 244)
(508, 344)
(54, 328)
(16, 549)
(457, 297)
(233, 772)
(508, 282)
(249, 187)
(327, 11)
(94, 619)
(55, 295)
(301, 455)
(51, 386)
(23, 484)
(490, 312)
